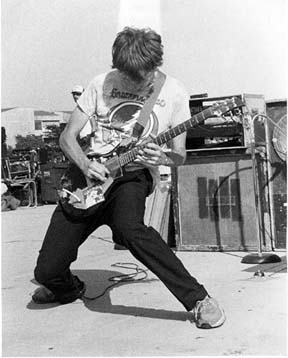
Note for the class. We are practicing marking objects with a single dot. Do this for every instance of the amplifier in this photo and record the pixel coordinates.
(214, 203)
(51, 174)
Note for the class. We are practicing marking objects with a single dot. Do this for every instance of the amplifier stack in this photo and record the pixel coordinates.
(213, 194)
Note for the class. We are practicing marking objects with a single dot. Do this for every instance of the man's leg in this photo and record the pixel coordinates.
(58, 251)
(126, 220)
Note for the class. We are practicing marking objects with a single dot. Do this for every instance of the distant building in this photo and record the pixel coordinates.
(24, 121)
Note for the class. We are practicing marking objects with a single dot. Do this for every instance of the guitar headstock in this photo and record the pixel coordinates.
(219, 109)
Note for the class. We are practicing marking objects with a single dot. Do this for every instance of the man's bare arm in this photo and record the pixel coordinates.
(69, 145)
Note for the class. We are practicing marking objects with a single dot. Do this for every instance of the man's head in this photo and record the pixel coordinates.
(76, 92)
(137, 52)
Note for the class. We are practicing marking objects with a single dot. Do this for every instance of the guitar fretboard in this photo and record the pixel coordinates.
(166, 136)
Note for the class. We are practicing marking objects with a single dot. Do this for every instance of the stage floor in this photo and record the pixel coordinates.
(140, 318)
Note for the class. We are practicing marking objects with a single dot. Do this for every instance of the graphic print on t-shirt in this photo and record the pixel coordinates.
(118, 125)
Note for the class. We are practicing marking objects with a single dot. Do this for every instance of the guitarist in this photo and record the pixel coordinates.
(116, 97)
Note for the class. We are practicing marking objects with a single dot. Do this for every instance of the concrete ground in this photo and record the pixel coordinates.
(135, 318)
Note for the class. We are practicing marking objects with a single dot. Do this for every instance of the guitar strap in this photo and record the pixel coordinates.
(148, 105)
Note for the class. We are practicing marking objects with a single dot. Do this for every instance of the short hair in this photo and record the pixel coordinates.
(137, 50)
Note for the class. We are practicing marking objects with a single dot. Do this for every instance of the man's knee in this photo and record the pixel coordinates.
(43, 275)
(123, 230)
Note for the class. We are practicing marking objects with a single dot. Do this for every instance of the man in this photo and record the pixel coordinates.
(76, 92)
(115, 97)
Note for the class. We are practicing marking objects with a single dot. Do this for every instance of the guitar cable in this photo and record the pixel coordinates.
(70, 193)
(117, 279)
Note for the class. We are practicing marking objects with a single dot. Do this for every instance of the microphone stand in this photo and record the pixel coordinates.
(259, 257)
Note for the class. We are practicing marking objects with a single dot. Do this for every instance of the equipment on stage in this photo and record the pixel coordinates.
(279, 139)
(260, 257)
(51, 174)
(158, 213)
(213, 194)
(276, 111)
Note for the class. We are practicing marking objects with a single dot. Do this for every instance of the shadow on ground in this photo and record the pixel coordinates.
(279, 267)
(99, 285)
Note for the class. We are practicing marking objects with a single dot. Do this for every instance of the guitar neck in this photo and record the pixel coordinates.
(166, 136)
(215, 110)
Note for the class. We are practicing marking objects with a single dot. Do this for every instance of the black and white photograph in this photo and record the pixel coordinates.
(144, 178)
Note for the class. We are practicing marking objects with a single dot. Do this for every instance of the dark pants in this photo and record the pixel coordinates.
(123, 211)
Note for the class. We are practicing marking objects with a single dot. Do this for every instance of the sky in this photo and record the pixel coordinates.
(219, 47)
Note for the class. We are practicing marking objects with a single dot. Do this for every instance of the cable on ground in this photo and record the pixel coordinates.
(117, 279)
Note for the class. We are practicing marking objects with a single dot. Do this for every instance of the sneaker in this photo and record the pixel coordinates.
(208, 313)
(43, 295)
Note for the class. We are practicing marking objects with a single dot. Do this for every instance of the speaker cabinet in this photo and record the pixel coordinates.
(214, 203)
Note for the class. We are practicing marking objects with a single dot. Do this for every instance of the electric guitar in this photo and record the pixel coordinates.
(78, 203)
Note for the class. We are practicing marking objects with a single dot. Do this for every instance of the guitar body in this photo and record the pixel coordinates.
(79, 196)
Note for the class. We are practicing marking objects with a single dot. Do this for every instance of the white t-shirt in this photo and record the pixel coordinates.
(117, 105)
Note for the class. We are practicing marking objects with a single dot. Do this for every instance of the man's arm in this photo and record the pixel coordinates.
(69, 144)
